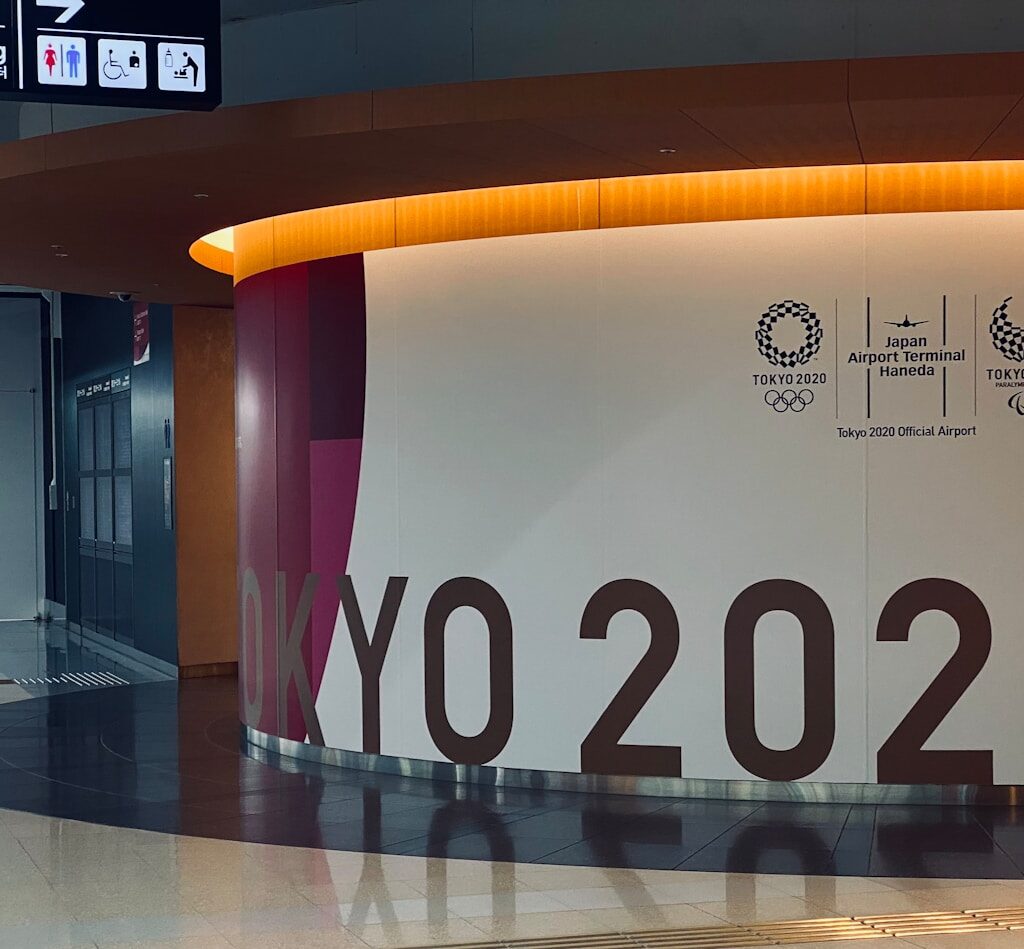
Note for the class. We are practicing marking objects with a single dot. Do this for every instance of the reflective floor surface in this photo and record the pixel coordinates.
(70, 884)
(164, 756)
(44, 659)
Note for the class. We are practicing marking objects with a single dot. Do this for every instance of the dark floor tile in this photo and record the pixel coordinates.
(853, 862)
(758, 832)
(992, 817)
(15, 781)
(954, 838)
(702, 812)
(1007, 838)
(618, 804)
(855, 838)
(804, 814)
(565, 824)
(630, 856)
(416, 847)
(305, 801)
(362, 836)
(165, 818)
(763, 861)
(165, 756)
(278, 833)
(992, 866)
(936, 814)
(65, 802)
(861, 816)
(485, 847)
(118, 779)
(452, 820)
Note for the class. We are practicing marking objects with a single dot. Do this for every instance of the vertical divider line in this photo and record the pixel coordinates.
(37, 527)
(975, 355)
(837, 358)
(866, 550)
(21, 49)
(278, 621)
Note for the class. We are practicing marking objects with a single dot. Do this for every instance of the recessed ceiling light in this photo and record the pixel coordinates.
(57, 247)
(201, 195)
(667, 151)
(62, 255)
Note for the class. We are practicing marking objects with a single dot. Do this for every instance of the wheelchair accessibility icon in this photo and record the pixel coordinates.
(122, 64)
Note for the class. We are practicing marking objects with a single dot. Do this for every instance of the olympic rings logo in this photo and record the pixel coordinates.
(788, 400)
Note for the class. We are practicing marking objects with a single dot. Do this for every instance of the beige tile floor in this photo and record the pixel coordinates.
(68, 884)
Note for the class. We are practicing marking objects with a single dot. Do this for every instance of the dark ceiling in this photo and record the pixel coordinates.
(232, 10)
(120, 199)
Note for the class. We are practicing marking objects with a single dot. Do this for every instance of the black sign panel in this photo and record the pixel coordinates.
(161, 54)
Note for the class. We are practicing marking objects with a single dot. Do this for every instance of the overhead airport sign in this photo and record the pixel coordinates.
(161, 54)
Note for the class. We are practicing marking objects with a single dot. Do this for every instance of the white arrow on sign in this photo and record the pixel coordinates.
(70, 7)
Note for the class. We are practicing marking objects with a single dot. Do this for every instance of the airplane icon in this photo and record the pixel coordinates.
(907, 323)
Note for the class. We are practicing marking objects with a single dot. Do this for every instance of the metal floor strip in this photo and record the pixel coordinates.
(784, 933)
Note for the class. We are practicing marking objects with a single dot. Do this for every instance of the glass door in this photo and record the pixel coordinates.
(105, 507)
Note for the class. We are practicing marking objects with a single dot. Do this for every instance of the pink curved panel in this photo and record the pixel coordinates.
(301, 377)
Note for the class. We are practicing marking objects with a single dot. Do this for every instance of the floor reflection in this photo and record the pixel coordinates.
(46, 658)
(165, 756)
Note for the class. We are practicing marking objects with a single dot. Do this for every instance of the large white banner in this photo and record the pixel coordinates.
(722, 501)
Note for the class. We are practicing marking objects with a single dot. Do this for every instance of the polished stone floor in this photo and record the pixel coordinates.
(129, 816)
(71, 884)
(45, 659)
(164, 756)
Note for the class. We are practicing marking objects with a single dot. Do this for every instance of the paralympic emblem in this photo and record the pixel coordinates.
(813, 334)
(1017, 402)
(788, 400)
(1007, 337)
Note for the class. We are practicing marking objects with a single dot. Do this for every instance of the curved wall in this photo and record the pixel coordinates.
(725, 501)
(300, 380)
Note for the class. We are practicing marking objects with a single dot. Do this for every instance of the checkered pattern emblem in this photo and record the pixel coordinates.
(1007, 337)
(789, 310)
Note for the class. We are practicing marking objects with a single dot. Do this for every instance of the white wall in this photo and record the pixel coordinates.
(550, 413)
(21, 434)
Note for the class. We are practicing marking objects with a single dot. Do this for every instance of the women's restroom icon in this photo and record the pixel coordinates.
(62, 60)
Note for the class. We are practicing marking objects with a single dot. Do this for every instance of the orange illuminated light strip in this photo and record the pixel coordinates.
(256, 247)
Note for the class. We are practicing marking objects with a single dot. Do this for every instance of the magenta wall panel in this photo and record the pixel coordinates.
(256, 380)
(293, 502)
(301, 397)
(334, 486)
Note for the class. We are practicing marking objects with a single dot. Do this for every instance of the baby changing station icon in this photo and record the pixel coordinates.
(182, 67)
(62, 60)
